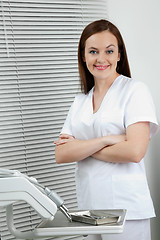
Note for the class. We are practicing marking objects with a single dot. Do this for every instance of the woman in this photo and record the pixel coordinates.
(107, 132)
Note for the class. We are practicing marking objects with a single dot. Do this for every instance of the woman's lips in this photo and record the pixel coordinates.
(101, 67)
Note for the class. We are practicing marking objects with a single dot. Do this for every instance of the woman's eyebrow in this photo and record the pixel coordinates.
(93, 48)
(111, 45)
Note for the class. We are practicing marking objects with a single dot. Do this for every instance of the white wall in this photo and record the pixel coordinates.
(139, 23)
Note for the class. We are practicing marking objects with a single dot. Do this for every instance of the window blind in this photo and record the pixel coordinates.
(38, 82)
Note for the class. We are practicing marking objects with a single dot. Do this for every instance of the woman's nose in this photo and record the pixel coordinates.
(101, 58)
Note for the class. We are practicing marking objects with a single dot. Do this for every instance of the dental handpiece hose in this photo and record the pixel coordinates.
(58, 201)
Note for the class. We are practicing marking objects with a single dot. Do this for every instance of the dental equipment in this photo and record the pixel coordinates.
(15, 187)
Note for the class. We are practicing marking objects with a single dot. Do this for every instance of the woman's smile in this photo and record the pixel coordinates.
(101, 67)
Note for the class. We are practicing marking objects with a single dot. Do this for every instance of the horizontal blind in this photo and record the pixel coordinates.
(38, 82)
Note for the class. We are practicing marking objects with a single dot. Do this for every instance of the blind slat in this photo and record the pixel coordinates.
(38, 82)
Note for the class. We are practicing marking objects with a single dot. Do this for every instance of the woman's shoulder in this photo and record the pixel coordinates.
(133, 84)
(135, 89)
(80, 97)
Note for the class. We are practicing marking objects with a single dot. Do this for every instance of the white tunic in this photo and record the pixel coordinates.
(105, 185)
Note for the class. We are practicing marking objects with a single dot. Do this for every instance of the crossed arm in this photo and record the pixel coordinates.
(114, 148)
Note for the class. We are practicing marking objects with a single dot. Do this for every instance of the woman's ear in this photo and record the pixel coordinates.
(83, 57)
(119, 57)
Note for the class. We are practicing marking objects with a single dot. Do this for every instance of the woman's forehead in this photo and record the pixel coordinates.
(105, 39)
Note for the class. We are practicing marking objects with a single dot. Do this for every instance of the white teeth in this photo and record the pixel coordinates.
(101, 67)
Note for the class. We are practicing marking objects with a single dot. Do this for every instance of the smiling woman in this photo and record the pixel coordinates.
(96, 32)
(107, 132)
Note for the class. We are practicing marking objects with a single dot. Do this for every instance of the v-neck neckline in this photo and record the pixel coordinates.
(105, 96)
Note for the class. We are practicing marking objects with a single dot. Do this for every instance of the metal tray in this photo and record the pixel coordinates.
(94, 217)
(60, 226)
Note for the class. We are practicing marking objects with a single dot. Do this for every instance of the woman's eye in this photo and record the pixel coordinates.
(93, 52)
(110, 51)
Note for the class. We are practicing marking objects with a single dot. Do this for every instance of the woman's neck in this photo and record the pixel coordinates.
(102, 85)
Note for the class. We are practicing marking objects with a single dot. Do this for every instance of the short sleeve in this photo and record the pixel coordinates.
(140, 107)
(67, 128)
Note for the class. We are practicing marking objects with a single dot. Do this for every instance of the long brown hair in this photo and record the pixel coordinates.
(86, 78)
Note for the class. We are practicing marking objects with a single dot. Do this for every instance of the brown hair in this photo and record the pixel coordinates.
(86, 78)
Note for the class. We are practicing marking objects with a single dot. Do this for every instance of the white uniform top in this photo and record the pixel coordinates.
(105, 185)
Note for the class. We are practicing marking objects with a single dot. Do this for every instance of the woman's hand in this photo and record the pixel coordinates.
(113, 139)
(107, 140)
(69, 149)
(64, 138)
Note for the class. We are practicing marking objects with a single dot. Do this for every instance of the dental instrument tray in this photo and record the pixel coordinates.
(94, 217)
(60, 225)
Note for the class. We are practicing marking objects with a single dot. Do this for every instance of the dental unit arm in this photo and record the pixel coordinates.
(15, 186)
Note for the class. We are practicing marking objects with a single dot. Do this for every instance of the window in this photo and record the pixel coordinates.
(38, 82)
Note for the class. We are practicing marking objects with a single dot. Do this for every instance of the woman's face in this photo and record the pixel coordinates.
(101, 55)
